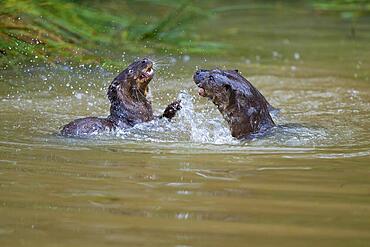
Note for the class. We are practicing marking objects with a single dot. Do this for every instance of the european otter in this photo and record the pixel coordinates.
(243, 107)
(129, 104)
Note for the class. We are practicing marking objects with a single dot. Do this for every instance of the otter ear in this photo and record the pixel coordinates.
(232, 71)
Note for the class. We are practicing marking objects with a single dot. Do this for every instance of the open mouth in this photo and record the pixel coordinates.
(202, 92)
(147, 74)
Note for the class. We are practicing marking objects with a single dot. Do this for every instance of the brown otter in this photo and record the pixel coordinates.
(243, 107)
(127, 94)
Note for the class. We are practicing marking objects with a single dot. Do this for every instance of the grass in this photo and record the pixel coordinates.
(99, 32)
(60, 31)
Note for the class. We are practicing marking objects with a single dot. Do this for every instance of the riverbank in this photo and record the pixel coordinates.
(51, 32)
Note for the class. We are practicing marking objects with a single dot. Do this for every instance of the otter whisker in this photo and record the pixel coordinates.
(160, 59)
(161, 62)
(160, 65)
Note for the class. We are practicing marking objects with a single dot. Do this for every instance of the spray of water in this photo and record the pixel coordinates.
(80, 92)
(188, 126)
(200, 127)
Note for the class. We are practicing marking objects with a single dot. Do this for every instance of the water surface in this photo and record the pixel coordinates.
(188, 183)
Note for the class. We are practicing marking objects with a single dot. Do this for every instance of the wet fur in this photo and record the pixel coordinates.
(129, 105)
(243, 107)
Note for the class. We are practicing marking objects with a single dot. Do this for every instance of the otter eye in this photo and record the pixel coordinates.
(143, 62)
(227, 87)
(130, 71)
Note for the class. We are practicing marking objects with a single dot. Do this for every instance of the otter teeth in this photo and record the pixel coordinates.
(149, 72)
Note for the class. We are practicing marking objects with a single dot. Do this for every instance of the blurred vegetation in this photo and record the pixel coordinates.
(99, 32)
(53, 31)
(348, 10)
(355, 7)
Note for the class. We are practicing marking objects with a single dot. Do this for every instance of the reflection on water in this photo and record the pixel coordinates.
(188, 182)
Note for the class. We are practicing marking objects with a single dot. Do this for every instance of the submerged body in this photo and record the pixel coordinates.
(243, 107)
(129, 103)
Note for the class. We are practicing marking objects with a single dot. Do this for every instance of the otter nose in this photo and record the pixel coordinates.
(146, 62)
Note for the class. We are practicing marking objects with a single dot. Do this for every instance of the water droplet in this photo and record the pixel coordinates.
(296, 56)
(78, 95)
(186, 58)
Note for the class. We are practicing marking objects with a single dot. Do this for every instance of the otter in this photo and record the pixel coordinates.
(243, 107)
(127, 94)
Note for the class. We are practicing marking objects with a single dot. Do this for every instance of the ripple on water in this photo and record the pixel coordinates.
(315, 113)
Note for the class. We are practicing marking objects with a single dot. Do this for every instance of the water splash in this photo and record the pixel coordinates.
(188, 126)
(335, 116)
(201, 128)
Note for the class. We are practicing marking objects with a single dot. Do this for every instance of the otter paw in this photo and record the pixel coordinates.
(171, 109)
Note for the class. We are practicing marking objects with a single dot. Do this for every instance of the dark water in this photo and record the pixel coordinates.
(188, 183)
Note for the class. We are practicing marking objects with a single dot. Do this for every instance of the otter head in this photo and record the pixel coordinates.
(132, 82)
(242, 105)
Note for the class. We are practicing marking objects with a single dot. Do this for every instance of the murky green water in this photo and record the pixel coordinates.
(188, 183)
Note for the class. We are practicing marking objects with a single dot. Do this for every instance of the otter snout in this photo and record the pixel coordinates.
(199, 79)
(199, 76)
